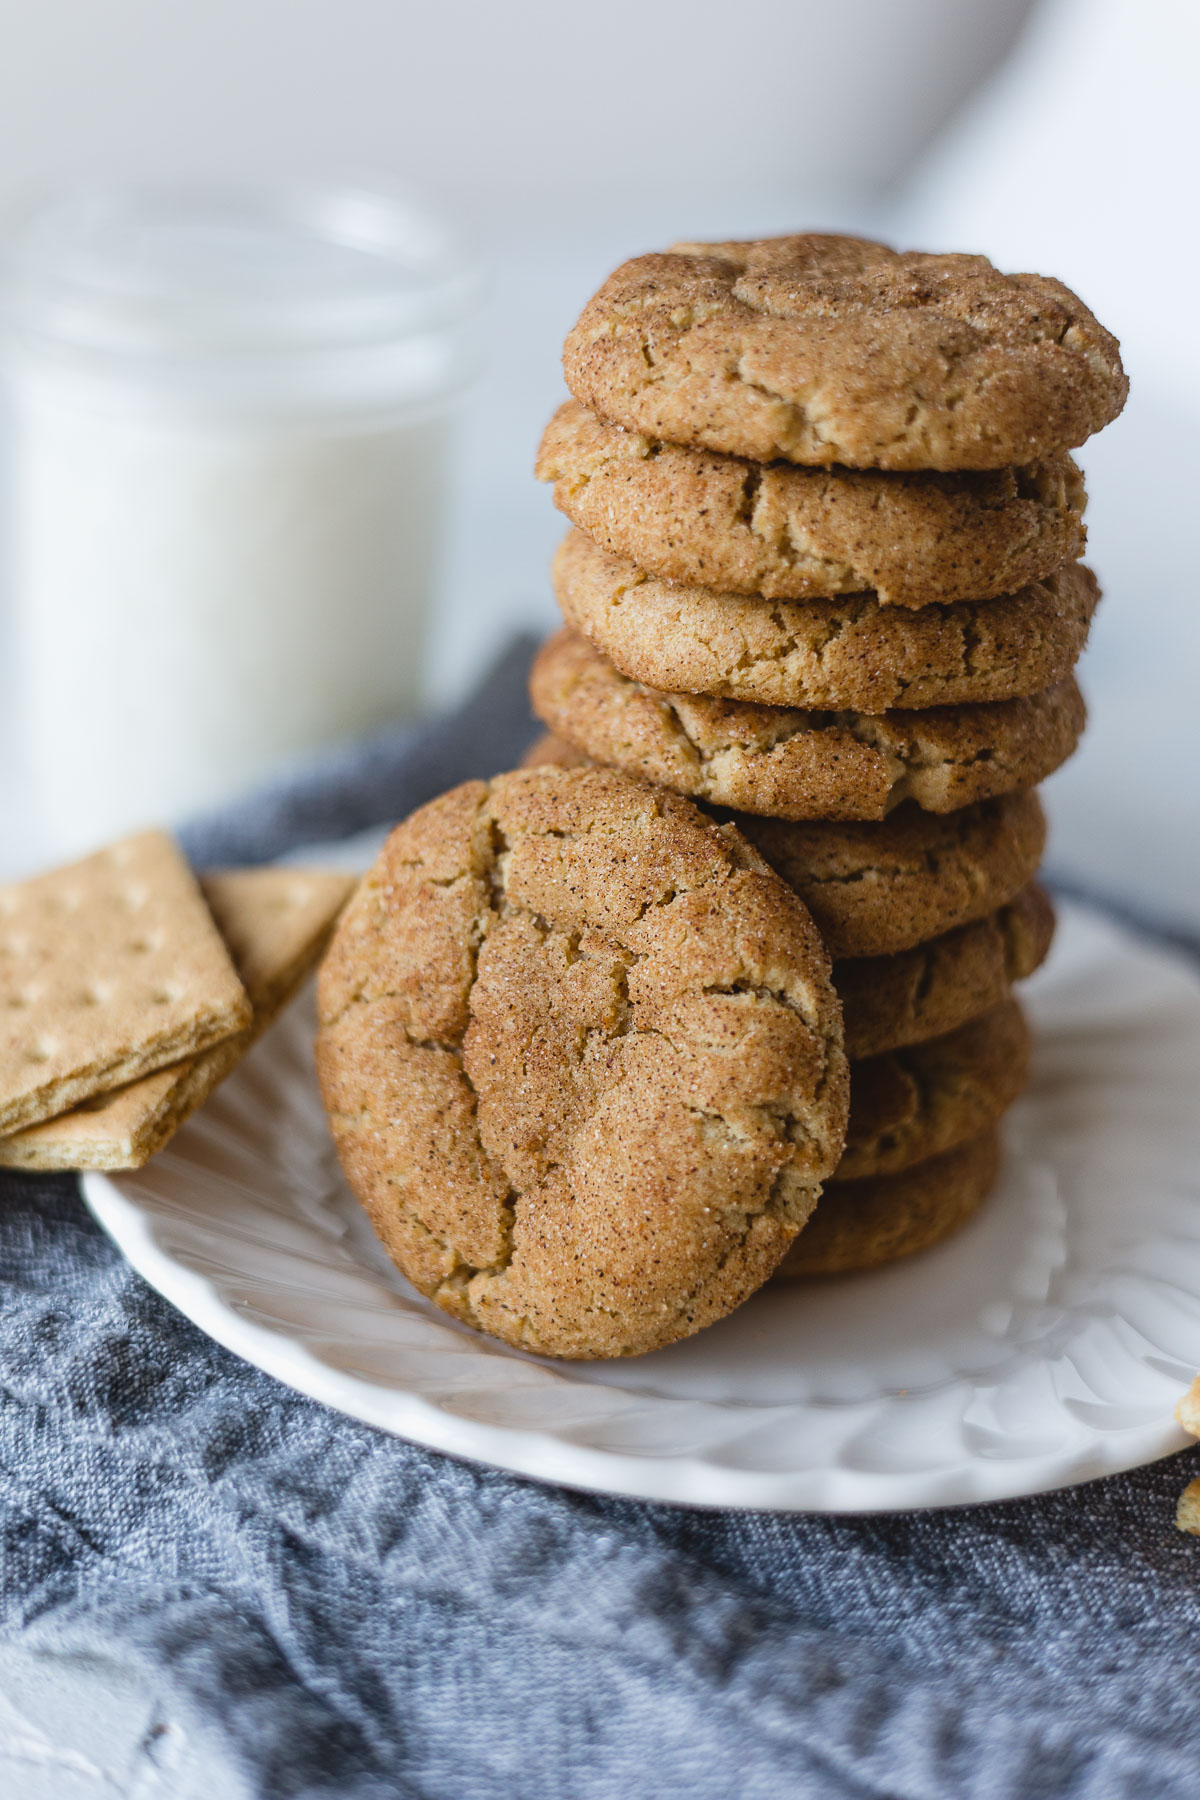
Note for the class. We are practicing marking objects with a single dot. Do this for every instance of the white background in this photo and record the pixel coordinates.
(566, 136)
(493, 104)
(572, 136)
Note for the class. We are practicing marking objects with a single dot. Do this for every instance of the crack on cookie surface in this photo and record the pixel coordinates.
(773, 350)
(911, 539)
(621, 971)
(848, 652)
(802, 764)
(879, 888)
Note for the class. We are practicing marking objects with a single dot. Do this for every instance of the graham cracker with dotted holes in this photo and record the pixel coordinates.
(276, 923)
(109, 968)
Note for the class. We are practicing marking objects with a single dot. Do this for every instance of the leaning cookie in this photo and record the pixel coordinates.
(889, 1002)
(832, 654)
(582, 1060)
(878, 889)
(911, 1104)
(790, 533)
(883, 1218)
(789, 763)
(824, 349)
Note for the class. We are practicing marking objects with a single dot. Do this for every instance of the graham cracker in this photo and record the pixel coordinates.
(109, 968)
(1188, 1410)
(1187, 1513)
(276, 923)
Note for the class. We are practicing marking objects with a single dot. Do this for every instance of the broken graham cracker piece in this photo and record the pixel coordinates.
(109, 968)
(276, 923)
(1187, 1513)
(1188, 1410)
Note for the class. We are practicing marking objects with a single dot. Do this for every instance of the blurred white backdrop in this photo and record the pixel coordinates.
(1081, 159)
(1060, 136)
(566, 137)
(493, 104)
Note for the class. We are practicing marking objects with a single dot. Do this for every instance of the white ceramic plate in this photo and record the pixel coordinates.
(1048, 1342)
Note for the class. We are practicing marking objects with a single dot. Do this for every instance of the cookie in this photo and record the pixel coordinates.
(109, 968)
(582, 1060)
(878, 889)
(838, 654)
(790, 533)
(789, 763)
(836, 350)
(881, 1219)
(889, 1002)
(275, 923)
(911, 1104)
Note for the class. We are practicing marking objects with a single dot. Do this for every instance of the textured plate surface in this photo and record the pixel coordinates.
(1045, 1344)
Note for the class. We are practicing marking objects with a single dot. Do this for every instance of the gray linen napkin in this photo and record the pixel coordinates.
(353, 1616)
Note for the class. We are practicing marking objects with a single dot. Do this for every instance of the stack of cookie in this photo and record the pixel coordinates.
(824, 577)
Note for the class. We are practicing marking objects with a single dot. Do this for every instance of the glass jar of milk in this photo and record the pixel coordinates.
(228, 416)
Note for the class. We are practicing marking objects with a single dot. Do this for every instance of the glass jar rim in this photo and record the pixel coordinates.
(188, 271)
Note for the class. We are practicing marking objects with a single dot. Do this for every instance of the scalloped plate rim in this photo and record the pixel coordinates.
(530, 1453)
(686, 1479)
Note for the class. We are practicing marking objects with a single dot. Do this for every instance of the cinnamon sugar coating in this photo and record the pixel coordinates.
(582, 1060)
